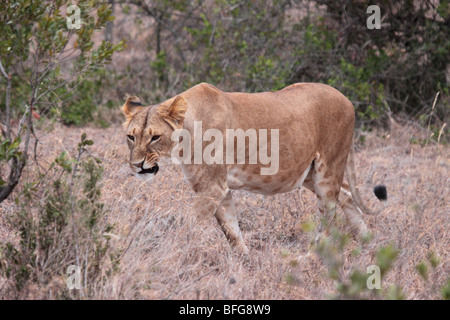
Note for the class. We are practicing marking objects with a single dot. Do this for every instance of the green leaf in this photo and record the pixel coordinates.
(445, 291)
(434, 259)
(386, 257)
(423, 270)
(308, 226)
(395, 293)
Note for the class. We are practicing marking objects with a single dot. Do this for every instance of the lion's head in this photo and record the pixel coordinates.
(149, 131)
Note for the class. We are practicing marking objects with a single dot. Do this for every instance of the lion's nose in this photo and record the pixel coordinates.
(139, 164)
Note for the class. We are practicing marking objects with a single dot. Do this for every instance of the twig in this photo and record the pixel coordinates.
(440, 132)
(431, 115)
(8, 100)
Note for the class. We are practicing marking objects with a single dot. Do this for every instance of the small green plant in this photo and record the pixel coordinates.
(9, 149)
(10, 153)
(60, 222)
(331, 250)
(445, 291)
(427, 270)
(362, 284)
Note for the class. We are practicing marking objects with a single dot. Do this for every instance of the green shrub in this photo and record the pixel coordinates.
(331, 251)
(60, 222)
(354, 82)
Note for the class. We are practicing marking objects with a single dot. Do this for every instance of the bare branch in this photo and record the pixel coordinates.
(3, 70)
(8, 101)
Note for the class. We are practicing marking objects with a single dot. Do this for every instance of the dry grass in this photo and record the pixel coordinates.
(167, 254)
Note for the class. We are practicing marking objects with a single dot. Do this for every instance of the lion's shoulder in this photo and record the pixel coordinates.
(205, 95)
(204, 89)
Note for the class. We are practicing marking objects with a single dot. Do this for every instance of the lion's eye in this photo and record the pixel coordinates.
(130, 137)
(155, 138)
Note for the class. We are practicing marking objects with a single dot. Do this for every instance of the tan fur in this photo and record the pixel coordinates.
(315, 125)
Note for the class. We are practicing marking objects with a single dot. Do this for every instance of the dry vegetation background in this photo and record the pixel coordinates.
(167, 255)
(163, 253)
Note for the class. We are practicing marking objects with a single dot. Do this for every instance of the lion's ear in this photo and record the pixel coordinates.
(177, 109)
(176, 112)
(131, 106)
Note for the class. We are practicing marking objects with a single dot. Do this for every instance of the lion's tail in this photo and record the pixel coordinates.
(380, 190)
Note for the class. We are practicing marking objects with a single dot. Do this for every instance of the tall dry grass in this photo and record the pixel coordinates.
(166, 254)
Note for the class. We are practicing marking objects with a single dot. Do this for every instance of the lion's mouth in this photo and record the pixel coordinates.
(153, 170)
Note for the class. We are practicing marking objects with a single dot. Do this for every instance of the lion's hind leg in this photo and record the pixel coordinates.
(352, 213)
(325, 181)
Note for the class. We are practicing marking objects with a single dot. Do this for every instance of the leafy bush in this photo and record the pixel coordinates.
(60, 222)
(83, 102)
(42, 61)
(367, 96)
(330, 250)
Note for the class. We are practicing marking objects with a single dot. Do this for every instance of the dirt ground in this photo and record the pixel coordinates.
(168, 255)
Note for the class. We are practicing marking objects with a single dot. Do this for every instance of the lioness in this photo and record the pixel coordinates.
(315, 131)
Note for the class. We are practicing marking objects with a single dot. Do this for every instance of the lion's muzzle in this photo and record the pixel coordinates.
(153, 170)
(144, 168)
